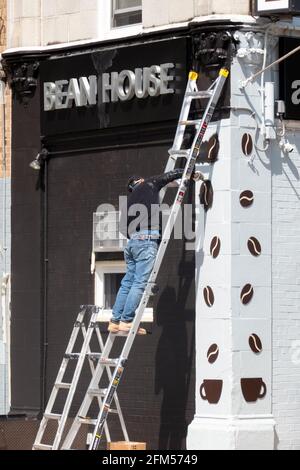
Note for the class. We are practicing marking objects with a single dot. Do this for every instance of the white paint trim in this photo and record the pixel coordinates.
(105, 30)
(104, 267)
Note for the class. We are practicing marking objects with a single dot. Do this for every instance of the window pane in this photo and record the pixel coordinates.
(112, 283)
(120, 4)
(126, 19)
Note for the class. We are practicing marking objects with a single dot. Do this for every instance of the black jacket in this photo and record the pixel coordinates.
(143, 207)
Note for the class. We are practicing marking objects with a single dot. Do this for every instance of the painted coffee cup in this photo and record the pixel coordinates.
(253, 389)
(211, 390)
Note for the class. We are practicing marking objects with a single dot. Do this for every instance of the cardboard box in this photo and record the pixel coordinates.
(123, 445)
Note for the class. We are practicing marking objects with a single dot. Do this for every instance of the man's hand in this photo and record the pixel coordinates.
(197, 176)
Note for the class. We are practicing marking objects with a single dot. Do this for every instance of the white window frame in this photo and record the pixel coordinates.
(119, 11)
(262, 5)
(107, 267)
(106, 31)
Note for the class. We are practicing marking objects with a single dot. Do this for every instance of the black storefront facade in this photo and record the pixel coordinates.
(93, 136)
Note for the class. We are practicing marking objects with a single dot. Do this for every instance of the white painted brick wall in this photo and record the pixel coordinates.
(42, 22)
(39, 22)
(30, 8)
(286, 296)
(161, 12)
(3, 353)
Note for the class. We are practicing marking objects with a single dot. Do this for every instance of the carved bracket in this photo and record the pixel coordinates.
(22, 78)
(213, 49)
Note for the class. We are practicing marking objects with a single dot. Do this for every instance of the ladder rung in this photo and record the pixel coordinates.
(199, 94)
(93, 421)
(184, 152)
(94, 356)
(52, 416)
(42, 447)
(87, 420)
(71, 356)
(108, 361)
(62, 385)
(97, 392)
(194, 122)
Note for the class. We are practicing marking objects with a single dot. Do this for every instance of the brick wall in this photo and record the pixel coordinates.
(286, 295)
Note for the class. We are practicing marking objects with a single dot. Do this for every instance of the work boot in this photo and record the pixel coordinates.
(126, 327)
(113, 327)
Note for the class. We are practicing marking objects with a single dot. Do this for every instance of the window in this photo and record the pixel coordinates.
(119, 18)
(106, 234)
(108, 277)
(126, 13)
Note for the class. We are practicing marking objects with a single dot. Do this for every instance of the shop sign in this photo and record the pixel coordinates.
(268, 7)
(289, 77)
(114, 86)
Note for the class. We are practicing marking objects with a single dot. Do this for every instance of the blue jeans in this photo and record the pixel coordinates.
(140, 257)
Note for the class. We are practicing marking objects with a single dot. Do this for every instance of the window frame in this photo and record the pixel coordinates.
(108, 267)
(106, 31)
(119, 11)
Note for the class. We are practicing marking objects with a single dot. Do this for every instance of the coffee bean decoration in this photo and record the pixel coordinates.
(215, 247)
(246, 198)
(254, 246)
(213, 353)
(208, 296)
(247, 144)
(255, 343)
(246, 294)
(206, 194)
(213, 148)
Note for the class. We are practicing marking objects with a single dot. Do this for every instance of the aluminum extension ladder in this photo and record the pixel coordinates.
(109, 395)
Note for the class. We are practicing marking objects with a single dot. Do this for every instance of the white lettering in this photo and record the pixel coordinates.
(60, 94)
(109, 84)
(165, 78)
(126, 85)
(143, 82)
(49, 96)
(73, 93)
(154, 81)
(115, 460)
(296, 95)
(88, 90)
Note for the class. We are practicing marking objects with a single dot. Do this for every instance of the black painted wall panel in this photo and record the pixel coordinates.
(26, 258)
(158, 385)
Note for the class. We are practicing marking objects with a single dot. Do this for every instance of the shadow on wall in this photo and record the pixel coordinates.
(174, 360)
(279, 161)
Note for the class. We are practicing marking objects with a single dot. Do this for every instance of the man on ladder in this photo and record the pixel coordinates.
(140, 222)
